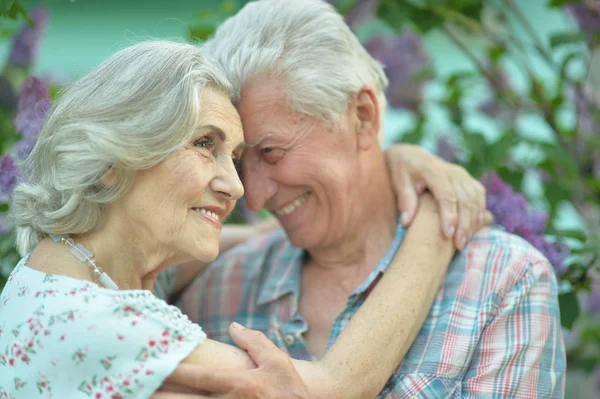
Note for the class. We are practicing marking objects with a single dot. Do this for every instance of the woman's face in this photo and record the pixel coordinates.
(178, 205)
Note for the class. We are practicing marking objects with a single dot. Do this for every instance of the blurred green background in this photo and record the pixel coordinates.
(500, 86)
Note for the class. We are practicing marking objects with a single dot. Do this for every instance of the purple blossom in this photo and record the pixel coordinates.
(405, 60)
(9, 174)
(587, 15)
(26, 43)
(537, 221)
(33, 105)
(445, 149)
(510, 211)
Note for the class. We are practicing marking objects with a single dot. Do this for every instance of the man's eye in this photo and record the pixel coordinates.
(206, 143)
(272, 155)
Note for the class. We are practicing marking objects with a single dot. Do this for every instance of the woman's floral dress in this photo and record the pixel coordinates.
(65, 338)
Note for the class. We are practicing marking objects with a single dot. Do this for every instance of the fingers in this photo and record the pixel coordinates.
(200, 379)
(170, 395)
(406, 195)
(465, 217)
(259, 347)
(443, 191)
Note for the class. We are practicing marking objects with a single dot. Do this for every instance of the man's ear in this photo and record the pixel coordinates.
(367, 113)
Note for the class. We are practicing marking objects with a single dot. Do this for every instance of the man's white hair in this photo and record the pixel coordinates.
(128, 114)
(308, 45)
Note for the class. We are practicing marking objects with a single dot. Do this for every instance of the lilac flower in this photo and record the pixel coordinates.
(404, 58)
(9, 174)
(445, 149)
(537, 221)
(26, 43)
(587, 15)
(8, 98)
(510, 211)
(34, 103)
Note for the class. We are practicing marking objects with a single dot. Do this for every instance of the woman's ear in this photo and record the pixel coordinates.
(367, 113)
(109, 177)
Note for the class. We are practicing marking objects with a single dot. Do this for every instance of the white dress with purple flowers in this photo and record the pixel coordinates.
(65, 338)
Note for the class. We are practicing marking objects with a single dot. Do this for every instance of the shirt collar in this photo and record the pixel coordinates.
(285, 270)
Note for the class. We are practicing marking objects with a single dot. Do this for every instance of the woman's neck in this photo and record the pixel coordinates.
(128, 261)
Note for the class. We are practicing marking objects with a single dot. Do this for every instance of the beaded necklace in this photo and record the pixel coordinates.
(85, 255)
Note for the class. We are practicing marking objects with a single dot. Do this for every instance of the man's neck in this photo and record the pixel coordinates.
(370, 228)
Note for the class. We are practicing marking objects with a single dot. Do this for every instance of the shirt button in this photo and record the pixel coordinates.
(289, 339)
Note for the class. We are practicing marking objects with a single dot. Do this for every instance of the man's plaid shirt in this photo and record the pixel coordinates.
(493, 331)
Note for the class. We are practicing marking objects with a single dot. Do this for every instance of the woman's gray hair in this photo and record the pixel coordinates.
(128, 114)
(308, 44)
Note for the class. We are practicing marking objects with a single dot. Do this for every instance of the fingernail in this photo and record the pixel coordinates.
(237, 326)
(450, 231)
(480, 218)
(404, 219)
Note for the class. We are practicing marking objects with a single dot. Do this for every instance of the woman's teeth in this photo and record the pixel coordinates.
(207, 212)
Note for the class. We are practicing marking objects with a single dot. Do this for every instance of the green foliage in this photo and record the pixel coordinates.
(11, 9)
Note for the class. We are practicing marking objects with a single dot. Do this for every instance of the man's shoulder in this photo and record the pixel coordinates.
(494, 250)
(494, 262)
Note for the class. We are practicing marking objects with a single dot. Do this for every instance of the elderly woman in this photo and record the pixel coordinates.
(133, 173)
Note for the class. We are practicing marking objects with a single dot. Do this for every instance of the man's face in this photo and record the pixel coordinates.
(295, 166)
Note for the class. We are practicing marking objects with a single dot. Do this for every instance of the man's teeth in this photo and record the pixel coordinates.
(286, 210)
(208, 213)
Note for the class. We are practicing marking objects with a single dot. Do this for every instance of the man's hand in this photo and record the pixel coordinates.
(275, 376)
(461, 197)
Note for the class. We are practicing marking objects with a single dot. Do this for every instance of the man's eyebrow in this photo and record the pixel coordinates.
(259, 140)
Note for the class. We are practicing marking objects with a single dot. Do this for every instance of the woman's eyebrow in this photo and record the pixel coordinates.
(215, 129)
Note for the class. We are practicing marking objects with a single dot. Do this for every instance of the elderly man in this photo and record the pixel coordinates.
(312, 103)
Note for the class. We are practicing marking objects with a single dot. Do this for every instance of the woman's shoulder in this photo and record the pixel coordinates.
(30, 290)
(108, 338)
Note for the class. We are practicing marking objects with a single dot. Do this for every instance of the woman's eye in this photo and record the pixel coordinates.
(206, 143)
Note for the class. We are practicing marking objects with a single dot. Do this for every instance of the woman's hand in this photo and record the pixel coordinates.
(460, 196)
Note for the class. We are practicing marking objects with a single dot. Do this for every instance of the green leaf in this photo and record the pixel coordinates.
(6, 5)
(476, 143)
(202, 31)
(498, 152)
(578, 235)
(561, 39)
(397, 12)
(561, 3)
(344, 6)
(569, 309)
